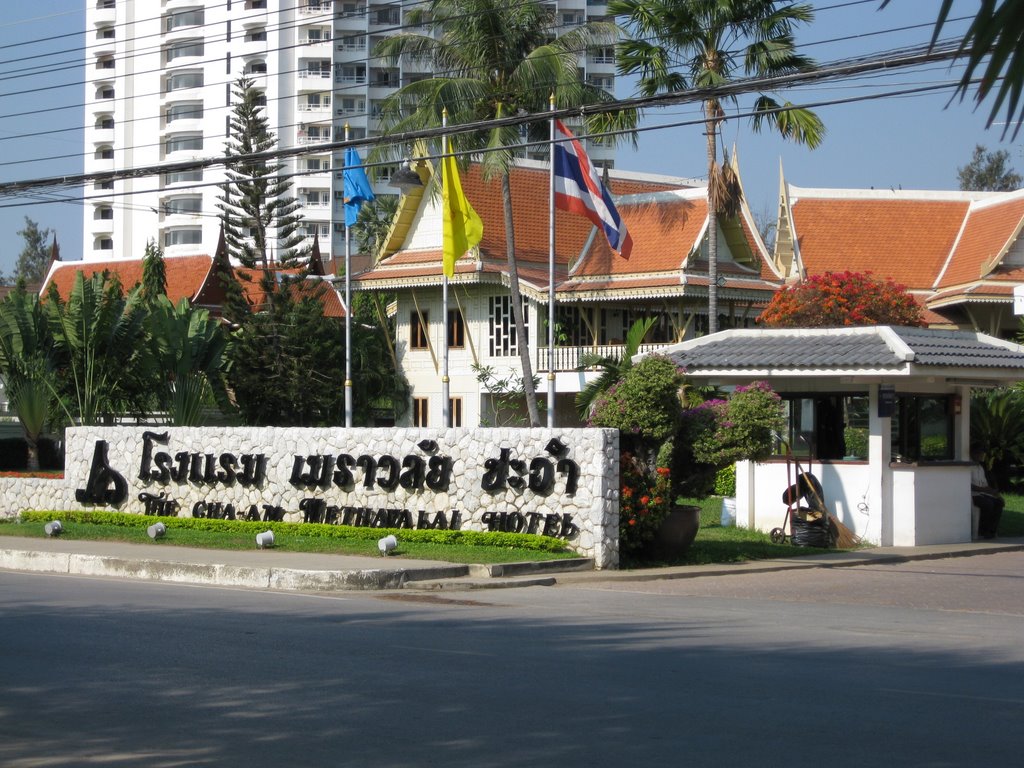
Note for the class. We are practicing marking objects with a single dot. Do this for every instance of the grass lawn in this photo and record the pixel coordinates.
(285, 542)
(715, 544)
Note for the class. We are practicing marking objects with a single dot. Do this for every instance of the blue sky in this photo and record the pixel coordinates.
(913, 142)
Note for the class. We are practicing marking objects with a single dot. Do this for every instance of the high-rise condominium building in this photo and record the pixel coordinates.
(159, 84)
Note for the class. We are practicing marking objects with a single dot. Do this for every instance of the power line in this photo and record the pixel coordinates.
(838, 70)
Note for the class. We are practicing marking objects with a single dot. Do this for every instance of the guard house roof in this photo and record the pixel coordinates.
(851, 353)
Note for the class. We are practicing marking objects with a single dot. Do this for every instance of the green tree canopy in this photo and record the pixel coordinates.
(34, 259)
(26, 365)
(988, 171)
(100, 355)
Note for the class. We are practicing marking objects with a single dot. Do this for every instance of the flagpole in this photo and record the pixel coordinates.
(446, 417)
(348, 319)
(551, 270)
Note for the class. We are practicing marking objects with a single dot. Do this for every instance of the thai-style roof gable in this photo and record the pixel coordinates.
(666, 217)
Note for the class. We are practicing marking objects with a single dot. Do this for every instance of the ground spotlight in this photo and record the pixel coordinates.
(53, 528)
(156, 530)
(265, 540)
(387, 544)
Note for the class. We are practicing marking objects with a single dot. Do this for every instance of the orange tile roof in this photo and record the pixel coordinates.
(665, 219)
(904, 239)
(665, 230)
(186, 278)
(986, 234)
(185, 274)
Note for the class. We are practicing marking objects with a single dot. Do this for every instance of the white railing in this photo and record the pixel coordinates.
(568, 358)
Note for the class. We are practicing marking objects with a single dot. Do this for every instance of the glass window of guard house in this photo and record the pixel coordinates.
(826, 427)
(922, 428)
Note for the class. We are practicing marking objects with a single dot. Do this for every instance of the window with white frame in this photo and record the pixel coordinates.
(351, 73)
(184, 205)
(183, 177)
(502, 338)
(184, 110)
(183, 236)
(351, 105)
(317, 68)
(183, 142)
(184, 48)
(352, 43)
(191, 17)
(321, 164)
(180, 81)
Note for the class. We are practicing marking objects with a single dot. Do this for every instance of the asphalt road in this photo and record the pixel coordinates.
(918, 664)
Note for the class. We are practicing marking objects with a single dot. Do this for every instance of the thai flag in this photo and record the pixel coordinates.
(578, 189)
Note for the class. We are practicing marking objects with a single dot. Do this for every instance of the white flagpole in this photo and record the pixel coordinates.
(551, 272)
(348, 314)
(446, 416)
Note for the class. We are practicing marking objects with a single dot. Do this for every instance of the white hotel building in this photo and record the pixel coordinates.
(159, 81)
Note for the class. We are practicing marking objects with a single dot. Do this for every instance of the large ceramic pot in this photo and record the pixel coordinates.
(676, 534)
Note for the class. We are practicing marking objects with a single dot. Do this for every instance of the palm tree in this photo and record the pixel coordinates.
(187, 347)
(27, 367)
(492, 59)
(682, 44)
(97, 336)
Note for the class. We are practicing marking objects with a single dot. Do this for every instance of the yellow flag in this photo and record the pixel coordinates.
(462, 226)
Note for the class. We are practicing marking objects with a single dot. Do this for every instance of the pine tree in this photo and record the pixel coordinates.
(35, 256)
(261, 223)
(154, 273)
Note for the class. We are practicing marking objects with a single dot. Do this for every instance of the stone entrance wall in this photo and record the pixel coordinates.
(561, 482)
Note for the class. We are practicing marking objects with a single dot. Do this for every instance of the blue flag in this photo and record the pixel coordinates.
(357, 186)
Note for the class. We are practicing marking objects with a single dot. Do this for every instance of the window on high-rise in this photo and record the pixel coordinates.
(105, 123)
(104, 213)
(183, 236)
(184, 110)
(184, 48)
(106, 92)
(257, 67)
(180, 81)
(183, 206)
(104, 244)
(105, 62)
(183, 142)
(192, 17)
(183, 177)
(105, 33)
(105, 152)
(256, 35)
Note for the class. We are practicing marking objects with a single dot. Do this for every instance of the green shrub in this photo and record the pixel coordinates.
(725, 481)
(644, 402)
(310, 530)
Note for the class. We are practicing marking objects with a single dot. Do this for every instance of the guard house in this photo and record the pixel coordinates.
(879, 414)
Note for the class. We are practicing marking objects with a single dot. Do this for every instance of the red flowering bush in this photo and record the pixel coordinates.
(836, 299)
(644, 501)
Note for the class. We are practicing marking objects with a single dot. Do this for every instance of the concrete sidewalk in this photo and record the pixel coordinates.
(278, 570)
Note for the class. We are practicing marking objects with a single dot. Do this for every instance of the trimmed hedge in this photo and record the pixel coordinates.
(527, 541)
